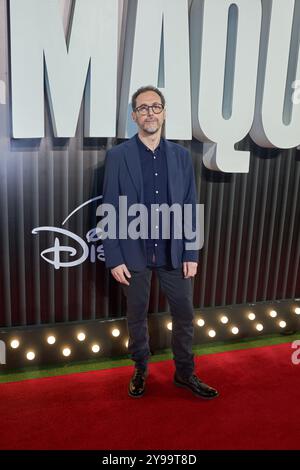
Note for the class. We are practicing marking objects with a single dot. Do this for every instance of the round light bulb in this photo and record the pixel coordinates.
(259, 327)
(81, 336)
(169, 326)
(115, 332)
(234, 330)
(30, 355)
(282, 324)
(251, 316)
(297, 310)
(51, 339)
(224, 320)
(66, 352)
(200, 322)
(273, 314)
(95, 348)
(212, 333)
(15, 343)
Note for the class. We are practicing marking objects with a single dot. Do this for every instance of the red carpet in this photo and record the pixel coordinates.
(258, 407)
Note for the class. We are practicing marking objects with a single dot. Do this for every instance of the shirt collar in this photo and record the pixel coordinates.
(145, 146)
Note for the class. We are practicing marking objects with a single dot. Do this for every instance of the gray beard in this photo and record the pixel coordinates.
(151, 130)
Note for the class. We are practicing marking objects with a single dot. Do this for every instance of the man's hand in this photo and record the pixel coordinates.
(189, 268)
(119, 273)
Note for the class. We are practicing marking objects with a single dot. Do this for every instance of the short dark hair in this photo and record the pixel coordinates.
(143, 89)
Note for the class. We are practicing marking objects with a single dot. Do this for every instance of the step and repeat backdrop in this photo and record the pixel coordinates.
(230, 74)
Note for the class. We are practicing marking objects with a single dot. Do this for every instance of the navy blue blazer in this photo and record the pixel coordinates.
(123, 176)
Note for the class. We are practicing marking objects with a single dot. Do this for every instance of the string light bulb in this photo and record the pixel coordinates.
(30, 355)
(273, 314)
(81, 336)
(15, 343)
(66, 352)
(224, 320)
(51, 339)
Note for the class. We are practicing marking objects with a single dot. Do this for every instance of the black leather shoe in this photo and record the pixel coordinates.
(199, 388)
(137, 384)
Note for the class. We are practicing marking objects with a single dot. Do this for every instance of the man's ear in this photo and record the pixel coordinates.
(133, 116)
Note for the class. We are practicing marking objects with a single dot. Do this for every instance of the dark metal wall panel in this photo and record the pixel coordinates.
(252, 225)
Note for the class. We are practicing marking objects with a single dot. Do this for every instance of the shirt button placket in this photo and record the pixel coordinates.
(156, 197)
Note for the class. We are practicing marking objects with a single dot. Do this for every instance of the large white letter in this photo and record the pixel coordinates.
(224, 58)
(277, 119)
(36, 36)
(157, 53)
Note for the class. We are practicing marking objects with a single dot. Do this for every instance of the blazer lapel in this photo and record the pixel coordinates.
(133, 163)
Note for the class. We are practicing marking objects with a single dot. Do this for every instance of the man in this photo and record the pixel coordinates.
(149, 169)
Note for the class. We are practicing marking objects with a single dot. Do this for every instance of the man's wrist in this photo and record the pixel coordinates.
(190, 257)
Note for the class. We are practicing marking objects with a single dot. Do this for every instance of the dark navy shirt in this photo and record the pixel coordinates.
(155, 179)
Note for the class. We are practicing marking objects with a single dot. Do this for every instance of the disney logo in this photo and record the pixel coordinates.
(83, 250)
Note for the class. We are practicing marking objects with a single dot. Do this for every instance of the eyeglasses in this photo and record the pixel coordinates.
(144, 109)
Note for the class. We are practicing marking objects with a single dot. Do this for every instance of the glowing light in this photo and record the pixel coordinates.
(259, 327)
(282, 324)
(51, 339)
(297, 310)
(200, 322)
(81, 336)
(212, 333)
(66, 352)
(251, 316)
(30, 355)
(169, 326)
(273, 314)
(15, 343)
(95, 348)
(126, 343)
(224, 320)
(115, 332)
(234, 330)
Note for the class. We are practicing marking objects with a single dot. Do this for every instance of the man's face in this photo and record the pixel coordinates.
(151, 122)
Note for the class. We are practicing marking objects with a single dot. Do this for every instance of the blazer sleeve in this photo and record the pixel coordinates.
(112, 251)
(190, 197)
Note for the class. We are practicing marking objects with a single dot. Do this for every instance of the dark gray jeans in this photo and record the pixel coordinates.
(178, 291)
